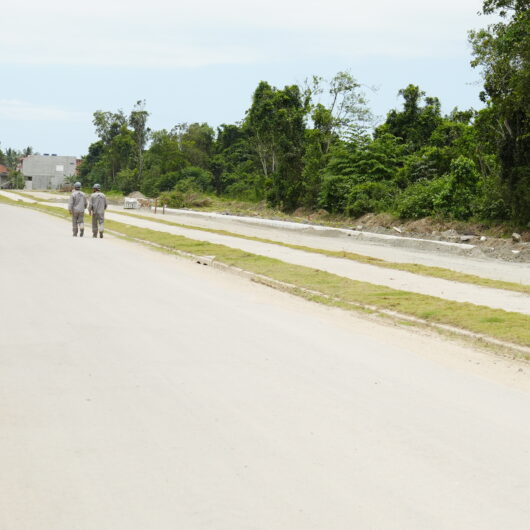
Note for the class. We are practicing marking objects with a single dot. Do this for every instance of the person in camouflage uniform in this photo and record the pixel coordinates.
(97, 205)
(76, 206)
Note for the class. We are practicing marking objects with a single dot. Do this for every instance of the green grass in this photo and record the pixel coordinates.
(503, 325)
(423, 270)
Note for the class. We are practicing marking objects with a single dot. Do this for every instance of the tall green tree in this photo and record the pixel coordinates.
(117, 159)
(138, 122)
(16, 179)
(361, 175)
(339, 107)
(416, 122)
(502, 50)
(89, 163)
(12, 158)
(233, 165)
(165, 153)
(108, 124)
(196, 143)
(276, 127)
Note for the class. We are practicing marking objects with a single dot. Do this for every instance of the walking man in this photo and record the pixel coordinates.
(76, 206)
(97, 205)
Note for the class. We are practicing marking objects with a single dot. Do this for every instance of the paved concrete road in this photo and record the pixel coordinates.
(138, 391)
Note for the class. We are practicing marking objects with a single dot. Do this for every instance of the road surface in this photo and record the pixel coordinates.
(141, 391)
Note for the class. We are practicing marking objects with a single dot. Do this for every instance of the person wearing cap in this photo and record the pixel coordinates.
(76, 206)
(97, 205)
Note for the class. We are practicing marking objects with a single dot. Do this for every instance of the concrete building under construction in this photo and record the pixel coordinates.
(47, 172)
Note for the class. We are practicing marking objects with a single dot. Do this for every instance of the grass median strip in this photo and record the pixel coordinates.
(502, 325)
(414, 268)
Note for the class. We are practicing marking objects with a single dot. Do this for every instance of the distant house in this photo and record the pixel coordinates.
(47, 172)
(4, 181)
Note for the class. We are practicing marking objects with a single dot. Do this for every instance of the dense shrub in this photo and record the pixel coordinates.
(418, 199)
(127, 179)
(490, 202)
(334, 193)
(453, 195)
(370, 197)
(172, 199)
(202, 179)
(186, 194)
(458, 195)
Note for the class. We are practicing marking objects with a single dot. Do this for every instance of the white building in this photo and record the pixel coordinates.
(45, 172)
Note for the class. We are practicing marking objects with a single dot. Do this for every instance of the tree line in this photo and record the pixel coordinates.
(315, 145)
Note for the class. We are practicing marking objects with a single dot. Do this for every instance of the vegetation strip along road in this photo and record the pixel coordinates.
(502, 325)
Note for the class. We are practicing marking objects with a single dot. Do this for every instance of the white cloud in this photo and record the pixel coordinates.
(169, 34)
(13, 109)
(288, 14)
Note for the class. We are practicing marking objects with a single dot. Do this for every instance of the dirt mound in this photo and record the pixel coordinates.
(136, 195)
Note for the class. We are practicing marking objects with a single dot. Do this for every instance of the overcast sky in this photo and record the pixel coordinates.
(61, 61)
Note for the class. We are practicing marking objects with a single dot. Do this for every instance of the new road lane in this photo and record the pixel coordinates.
(142, 391)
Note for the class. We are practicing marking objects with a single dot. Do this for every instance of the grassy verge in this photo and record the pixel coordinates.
(424, 270)
(506, 326)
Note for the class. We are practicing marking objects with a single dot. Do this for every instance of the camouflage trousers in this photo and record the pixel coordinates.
(97, 222)
(78, 221)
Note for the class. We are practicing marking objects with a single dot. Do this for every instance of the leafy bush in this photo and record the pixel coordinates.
(243, 189)
(202, 179)
(334, 192)
(452, 195)
(490, 202)
(421, 165)
(196, 200)
(187, 185)
(167, 181)
(172, 199)
(126, 180)
(457, 197)
(17, 180)
(370, 197)
(418, 199)
(186, 194)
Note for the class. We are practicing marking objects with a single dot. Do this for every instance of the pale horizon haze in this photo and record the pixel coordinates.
(201, 62)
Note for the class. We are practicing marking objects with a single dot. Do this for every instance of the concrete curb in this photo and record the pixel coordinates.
(327, 231)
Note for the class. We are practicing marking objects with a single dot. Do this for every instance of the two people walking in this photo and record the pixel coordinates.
(97, 204)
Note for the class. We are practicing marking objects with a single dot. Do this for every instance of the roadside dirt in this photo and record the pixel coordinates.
(491, 241)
